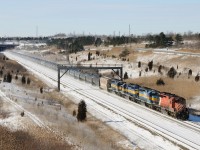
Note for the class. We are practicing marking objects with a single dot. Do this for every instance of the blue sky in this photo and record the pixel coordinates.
(21, 17)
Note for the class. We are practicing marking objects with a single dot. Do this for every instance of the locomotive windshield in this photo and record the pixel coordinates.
(180, 100)
(154, 93)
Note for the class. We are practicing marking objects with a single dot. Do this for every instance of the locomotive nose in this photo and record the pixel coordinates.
(182, 111)
(179, 107)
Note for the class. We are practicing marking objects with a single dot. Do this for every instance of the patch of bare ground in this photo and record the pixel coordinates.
(89, 135)
(190, 50)
(97, 135)
(10, 65)
(3, 114)
(32, 137)
(184, 87)
(186, 61)
(53, 49)
(36, 139)
(145, 53)
(115, 52)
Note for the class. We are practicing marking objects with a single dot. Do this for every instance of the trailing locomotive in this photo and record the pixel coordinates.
(163, 102)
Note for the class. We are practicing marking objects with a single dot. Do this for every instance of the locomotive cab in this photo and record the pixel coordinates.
(154, 96)
(180, 108)
(116, 85)
(123, 87)
(174, 105)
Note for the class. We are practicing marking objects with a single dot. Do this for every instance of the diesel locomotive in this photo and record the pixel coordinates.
(166, 103)
(163, 102)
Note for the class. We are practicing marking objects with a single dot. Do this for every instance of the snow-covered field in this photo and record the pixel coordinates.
(144, 128)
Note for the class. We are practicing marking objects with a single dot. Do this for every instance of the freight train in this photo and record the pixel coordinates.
(163, 102)
(166, 103)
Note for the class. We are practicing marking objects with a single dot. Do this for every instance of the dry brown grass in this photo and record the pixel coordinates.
(145, 53)
(117, 50)
(184, 87)
(96, 126)
(189, 50)
(3, 114)
(114, 51)
(109, 136)
(11, 65)
(20, 140)
(53, 49)
(189, 61)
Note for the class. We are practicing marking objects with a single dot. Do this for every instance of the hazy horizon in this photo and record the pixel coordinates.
(21, 18)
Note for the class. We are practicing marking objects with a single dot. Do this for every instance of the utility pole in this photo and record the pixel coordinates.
(36, 31)
(67, 52)
(129, 35)
(37, 37)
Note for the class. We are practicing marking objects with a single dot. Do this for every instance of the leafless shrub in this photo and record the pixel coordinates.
(22, 114)
(41, 90)
(197, 78)
(172, 72)
(74, 113)
(139, 64)
(160, 82)
(140, 73)
(16, 77)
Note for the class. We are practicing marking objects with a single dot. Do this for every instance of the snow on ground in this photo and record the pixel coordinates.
(13, 121)
(137, 135)
(51, 117)
(168, 60)
(183, 62)
(18, 109)
(17, 99)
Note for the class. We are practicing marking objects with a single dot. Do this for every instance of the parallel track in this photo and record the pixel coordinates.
(127, 114)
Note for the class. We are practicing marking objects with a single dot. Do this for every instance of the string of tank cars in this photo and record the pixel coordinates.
(128, 115)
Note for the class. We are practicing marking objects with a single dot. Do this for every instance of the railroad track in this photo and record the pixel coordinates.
(128, 115)
(134, 118)
(81, 96)
(170, 52)
(19, 107)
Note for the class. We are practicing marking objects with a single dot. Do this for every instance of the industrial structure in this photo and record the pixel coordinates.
(65, 68)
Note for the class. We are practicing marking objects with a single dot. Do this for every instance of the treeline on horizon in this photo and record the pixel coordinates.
(74, 44)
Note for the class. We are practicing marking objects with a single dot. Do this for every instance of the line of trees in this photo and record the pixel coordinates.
(160, 40)
(119, 40)
(75, 44)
